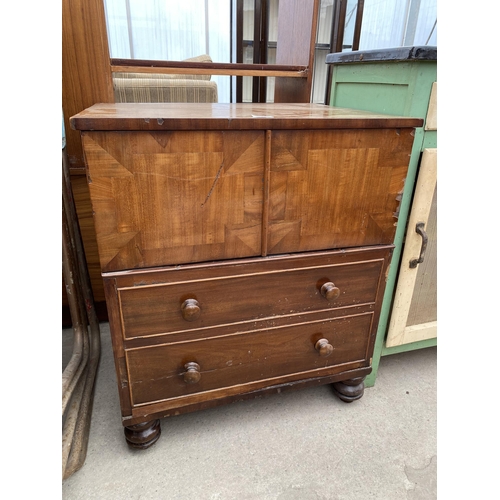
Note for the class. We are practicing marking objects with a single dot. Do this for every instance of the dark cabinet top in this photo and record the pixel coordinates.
(241, 116)
(417, 53)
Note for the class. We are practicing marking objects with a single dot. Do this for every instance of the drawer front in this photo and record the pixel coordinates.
(193, 304)
(276, 355)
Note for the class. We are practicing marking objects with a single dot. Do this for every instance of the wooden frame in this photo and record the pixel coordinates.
(86, 75)
(78, 378)
(337, 35)
(392, 81)
(86, 59)
(196, 68)
(431, 121)
(297, 26)
(400, 332)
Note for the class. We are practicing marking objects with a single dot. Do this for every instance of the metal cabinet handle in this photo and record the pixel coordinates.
(420, 230)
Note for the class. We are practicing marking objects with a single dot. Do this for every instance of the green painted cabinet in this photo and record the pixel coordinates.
(401, 81)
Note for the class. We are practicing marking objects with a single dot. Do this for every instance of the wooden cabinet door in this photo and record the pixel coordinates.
(335, 188)
(172, 197)
(414, 312)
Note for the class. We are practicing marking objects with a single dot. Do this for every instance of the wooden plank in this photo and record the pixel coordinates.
(192, 66)
(424, 331)
(86, 79)
(421, 344)
(165, 274)
(235, 69)
(296, 31)
(431, 120)
(357, 25)
(424, 192)
(338, 25)
(221, 116)
(86, 75)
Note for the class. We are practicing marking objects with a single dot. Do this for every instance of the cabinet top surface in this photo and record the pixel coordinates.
(396, 54)
(241, 116)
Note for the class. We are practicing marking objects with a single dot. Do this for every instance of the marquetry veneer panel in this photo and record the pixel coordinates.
(172, 197)
(335, 189)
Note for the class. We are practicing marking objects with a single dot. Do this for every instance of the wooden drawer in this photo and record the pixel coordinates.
(240, 363)
(244, 292)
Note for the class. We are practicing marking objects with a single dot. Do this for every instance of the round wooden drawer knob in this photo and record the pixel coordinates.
(324, 347)
(192, 374)
(190, 309)
(330, 291)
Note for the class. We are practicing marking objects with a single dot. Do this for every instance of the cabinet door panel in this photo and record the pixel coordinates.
(171, 197)
(414, 313)
(326, 191)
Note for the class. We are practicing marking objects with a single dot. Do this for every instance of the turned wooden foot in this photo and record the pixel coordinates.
(142, 436)
(350, 390)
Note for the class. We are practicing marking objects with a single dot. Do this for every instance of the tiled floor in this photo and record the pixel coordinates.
(300, 445)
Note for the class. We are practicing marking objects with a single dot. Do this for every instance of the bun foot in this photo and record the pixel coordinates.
(142, 436)
(350, 390)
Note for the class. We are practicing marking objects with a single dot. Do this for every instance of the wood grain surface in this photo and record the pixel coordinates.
(255, 291)
(243, 247)
(207, 68)
(297, 28)
(350, 262)
(86, 74)
(175, 197)
(220, 116)
(157, 373)
(335, 189)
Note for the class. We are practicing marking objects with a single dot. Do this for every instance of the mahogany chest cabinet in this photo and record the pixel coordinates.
(243, 247)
